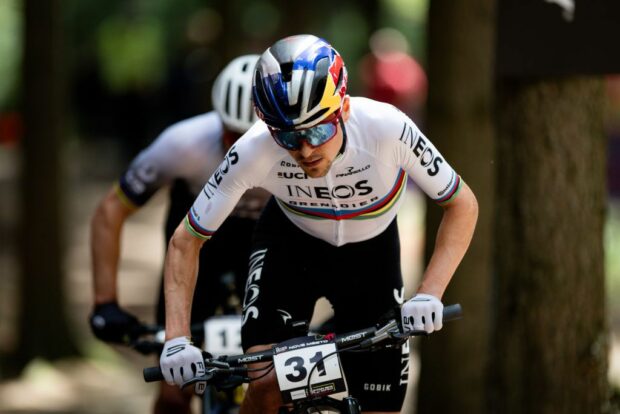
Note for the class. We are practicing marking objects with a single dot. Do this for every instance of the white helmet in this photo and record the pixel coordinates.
(232, 94)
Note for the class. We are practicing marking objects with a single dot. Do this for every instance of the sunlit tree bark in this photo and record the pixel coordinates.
(551, 340)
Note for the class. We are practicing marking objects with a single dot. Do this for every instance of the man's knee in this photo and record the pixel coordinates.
(172, 399)
(262, 396)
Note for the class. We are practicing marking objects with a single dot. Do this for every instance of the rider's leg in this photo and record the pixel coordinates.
(360, 291)
(262, 395)
(173, 400)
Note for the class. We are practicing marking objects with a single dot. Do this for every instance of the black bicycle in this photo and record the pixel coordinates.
(296, 360)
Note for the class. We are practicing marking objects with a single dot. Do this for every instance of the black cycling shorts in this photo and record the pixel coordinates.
(290, 270)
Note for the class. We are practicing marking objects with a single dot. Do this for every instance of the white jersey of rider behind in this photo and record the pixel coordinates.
(190, 150)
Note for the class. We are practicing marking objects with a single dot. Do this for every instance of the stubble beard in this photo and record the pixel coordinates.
(317, 172)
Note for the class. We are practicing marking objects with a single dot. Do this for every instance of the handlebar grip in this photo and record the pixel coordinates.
(452, 312)
(152, 374)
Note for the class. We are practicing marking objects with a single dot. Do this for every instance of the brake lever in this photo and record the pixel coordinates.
(230, 382)
(208, 376)
(380, 334)
(404, 336)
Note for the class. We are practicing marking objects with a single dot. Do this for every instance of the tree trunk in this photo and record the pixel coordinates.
(453, 361)
(43, 329)
(551, 342)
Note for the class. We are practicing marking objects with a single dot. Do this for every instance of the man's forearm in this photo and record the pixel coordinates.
(453, 238)
(105, 235)
(181, 269)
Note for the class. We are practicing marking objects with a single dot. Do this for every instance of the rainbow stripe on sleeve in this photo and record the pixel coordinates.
(452, 193)
(196, 229)
(373, 210)
(124, 198)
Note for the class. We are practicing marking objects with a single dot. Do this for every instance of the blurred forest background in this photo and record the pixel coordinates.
(85, 85)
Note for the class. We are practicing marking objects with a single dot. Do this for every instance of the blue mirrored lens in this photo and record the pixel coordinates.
(314, 136)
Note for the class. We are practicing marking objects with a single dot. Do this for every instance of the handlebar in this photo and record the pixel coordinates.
(362, 339)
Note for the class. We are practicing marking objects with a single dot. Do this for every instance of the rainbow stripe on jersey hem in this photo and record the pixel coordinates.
(195, 229)
(373, 210)
(451, 195)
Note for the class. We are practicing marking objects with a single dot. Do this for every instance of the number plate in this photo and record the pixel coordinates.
(307, 367)
(223, 335)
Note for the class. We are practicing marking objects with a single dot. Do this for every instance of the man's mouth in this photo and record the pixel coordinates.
(312, 162)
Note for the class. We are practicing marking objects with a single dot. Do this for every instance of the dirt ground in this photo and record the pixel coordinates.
(109, 379)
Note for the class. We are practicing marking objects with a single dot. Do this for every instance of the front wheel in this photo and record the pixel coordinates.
(351, 406)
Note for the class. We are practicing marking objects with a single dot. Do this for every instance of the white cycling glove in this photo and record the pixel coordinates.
(422, 313)
(181, 361)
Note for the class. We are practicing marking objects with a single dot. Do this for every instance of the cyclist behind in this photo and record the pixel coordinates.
(336, 167)
(183, 156)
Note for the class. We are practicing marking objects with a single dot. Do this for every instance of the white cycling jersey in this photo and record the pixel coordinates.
(190, 150)
(355, 200)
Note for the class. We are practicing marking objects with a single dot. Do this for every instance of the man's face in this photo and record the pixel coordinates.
(316, 161)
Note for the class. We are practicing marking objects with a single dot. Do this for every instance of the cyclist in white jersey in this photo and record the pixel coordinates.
(336, 167)
(182, 157)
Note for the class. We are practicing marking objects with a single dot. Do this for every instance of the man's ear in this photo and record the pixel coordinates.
(346, 107)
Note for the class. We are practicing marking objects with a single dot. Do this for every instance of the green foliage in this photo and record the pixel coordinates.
(131, 53)
(10, 53)
(408, 16)
(260, 19)
(351, 44)
(612, 256)
(131, 42)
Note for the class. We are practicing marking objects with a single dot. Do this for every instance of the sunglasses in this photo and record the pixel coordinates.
(315, 136)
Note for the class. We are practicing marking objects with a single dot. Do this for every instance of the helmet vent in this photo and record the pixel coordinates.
(317, 115)
(340, 80)
(317, 96)
(287, 71)
(260, 96)
(227, 99)
(320, 79)
(239, 101)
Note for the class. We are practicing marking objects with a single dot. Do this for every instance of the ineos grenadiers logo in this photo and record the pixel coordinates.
(360, 188)
(422, 150)
(230, 159)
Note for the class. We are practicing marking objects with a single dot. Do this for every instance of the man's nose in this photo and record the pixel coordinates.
(305, 149)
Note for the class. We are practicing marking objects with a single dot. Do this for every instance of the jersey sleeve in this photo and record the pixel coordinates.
(182, 150)
(154, 167)
(422, 161)
(239, 171)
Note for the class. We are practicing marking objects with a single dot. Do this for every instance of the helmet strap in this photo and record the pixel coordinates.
(344, 136)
